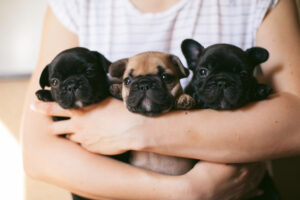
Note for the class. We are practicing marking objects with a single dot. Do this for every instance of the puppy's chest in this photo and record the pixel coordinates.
(161, 163)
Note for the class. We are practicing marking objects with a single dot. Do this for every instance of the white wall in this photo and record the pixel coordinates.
(20, 31)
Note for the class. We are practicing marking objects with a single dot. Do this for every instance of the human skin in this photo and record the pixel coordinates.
(260, 131)
(64, 163)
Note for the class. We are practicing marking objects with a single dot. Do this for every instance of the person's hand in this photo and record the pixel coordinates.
(100, 128)
(211, 181)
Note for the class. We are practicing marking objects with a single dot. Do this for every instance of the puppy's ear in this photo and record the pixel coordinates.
(257, 55)
(117, 69)
(44, 79)
(105, 63)
(181, 70)
(191, 50)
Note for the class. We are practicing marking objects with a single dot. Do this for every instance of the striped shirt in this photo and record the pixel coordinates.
(117, 29)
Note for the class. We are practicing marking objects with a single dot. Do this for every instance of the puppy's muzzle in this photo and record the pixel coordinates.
(221, 84)
(149, 96)
(72, 85)
(145, 84)
(74, 92)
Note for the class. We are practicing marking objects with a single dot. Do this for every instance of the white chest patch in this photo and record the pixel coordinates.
(79, 104)
(147, 104)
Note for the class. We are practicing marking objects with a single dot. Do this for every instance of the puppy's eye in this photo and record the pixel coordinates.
(203, 72)
(244, 74)
(54, 82)
(91, 72)
(167, 77)
(127, 81)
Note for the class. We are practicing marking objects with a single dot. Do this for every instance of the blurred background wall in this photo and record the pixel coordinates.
(20, 31)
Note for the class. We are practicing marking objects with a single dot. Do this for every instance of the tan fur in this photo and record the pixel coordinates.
(146, 63)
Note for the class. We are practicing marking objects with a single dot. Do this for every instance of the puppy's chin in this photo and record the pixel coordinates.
(75, 99)
(220, 104)
(221, 98)
(149, 104)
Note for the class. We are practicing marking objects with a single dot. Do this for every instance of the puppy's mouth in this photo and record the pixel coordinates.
(150, 103)
(75, 96)
(221, 93)
(74, 99)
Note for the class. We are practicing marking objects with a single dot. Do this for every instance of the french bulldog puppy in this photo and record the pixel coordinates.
(150, 86)
(223, 75)
(149, 83)
(76, 78)
(223, 80)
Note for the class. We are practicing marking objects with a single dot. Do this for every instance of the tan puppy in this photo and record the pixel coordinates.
(149, 85)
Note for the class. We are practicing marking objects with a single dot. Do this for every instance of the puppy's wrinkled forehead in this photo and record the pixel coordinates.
(149, 63)
(224, 57)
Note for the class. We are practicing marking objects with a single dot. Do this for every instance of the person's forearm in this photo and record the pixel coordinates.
(260, 131)
(65, 164)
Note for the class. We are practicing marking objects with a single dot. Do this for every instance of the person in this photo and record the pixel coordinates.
(258, 132)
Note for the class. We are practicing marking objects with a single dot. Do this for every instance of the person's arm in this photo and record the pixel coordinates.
(65, 164)
(263, 130)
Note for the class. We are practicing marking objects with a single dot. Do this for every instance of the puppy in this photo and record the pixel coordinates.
(223, 75)
(223, 80)
(76, 78)
(150, 86)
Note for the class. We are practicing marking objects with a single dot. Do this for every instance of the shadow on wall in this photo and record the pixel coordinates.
(21, 24)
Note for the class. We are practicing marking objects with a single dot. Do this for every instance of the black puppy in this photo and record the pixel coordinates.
(223, 75)
(223, 79)
(76, 78)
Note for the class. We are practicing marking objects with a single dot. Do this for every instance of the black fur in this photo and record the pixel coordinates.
(81, 77)
(223, 75)
(228, 83)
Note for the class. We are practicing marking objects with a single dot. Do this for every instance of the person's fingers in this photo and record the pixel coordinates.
(222, 171)
(61, 127)
(51, 109)
(75, 138)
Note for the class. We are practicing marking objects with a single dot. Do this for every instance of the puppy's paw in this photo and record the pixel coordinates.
(185, 102)
(116, 90)
(44, 95)
(263, 91)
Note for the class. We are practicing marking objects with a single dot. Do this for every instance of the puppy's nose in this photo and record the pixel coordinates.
(72, 86)
(221, 84)
(145, 85)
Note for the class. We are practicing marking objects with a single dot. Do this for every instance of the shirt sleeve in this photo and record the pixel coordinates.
(67, 12)
(262, 7)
